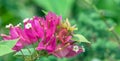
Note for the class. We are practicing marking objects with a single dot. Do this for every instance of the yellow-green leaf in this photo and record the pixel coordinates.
(80, 38)
(6, 46)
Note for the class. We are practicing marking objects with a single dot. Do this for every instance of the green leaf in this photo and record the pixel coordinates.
(61, 7)
(26, 51)
(80, 38)
(6, 46)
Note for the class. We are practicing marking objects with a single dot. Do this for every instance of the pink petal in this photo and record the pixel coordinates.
(73, 53)
(6, 37)
(40, 46)
(61, 53)
(52, 45)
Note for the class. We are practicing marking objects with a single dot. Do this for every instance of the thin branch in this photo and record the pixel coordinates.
(104, 19)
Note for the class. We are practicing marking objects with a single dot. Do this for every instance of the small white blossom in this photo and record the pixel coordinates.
(8, 26)
(25, 20)
(28, 25)
(83, 48)
(18, 24)
(75, 48)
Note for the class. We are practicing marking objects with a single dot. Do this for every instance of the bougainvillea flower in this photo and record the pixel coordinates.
(53, 17)
(17, 32)
(38, 25)
(52, 21)
(74, 50)
(67, 50)
(30, 31)
(63, 35)
(51, 28)
(49, 32)
(49, 45)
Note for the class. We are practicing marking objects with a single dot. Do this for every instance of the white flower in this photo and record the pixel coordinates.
(25, 20)
(28, 26)
(75, 48)
(8, 26)
(18, 24)
(83, 48)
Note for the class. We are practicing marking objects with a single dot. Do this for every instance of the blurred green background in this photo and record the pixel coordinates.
(84, 13)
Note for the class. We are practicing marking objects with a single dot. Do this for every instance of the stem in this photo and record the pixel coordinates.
(104, 19)
(35, 49)
(30, 53)
(37, 52)
(22, 54)
(28, 50)
(112, 30)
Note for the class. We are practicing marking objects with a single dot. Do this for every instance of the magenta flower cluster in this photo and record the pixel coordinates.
(48, 32)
